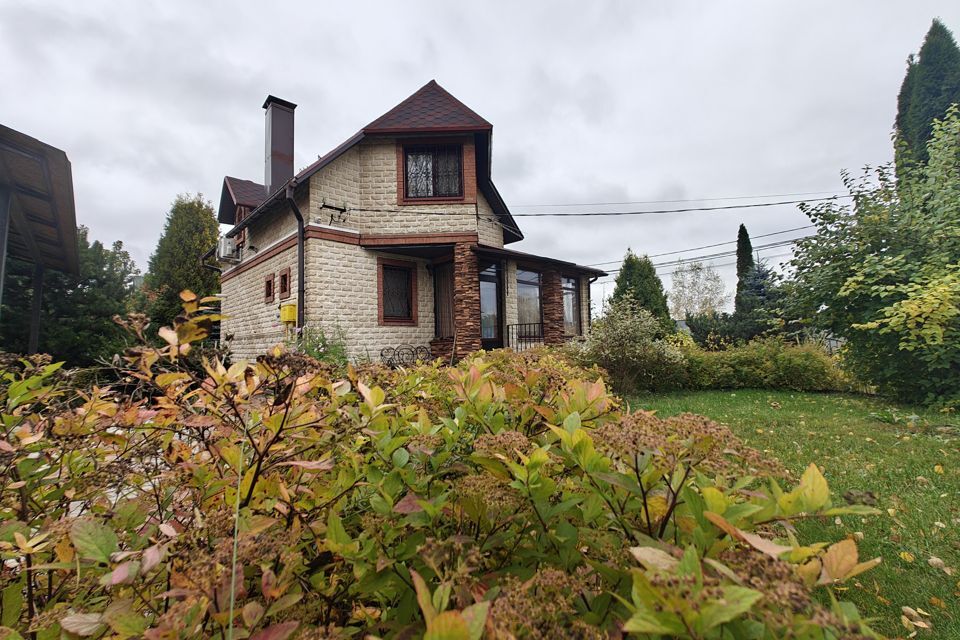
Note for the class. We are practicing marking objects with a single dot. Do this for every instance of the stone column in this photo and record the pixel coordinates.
(551, 295)
(466, 299)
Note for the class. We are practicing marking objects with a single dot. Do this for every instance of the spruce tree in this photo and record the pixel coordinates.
(638, 279)
(190, 230)
(76, 317)
(930, 86)
(744, 264)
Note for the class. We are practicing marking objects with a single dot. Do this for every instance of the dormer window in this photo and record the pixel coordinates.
(433, 171)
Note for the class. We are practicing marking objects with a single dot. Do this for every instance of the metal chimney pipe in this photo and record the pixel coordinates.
(278, 165)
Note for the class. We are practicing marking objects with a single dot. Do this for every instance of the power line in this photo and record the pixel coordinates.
(754, 205)
(612, 278)
(706, 246)
(603, 204)
(723, 254)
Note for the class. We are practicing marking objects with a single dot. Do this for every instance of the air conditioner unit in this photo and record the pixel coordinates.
(227, 249)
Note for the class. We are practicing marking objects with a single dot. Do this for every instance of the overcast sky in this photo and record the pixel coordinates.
(590, 101)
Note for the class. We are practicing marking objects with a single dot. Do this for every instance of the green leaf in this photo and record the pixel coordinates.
(736, 602)
(449, 625)
(476, 617)
(647, 622)
(93, 540)
(11, 601)
(283, 603)
(6, 633)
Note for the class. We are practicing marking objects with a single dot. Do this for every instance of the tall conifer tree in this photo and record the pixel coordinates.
(745, 264)
(930, 86)
(638, 279)
(191, 229)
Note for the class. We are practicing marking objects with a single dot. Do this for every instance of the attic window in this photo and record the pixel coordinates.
(433, 171)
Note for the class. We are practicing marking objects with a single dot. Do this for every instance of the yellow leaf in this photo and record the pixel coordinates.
(907, 556)
(716, 501)
(938, 468)
(813, 488)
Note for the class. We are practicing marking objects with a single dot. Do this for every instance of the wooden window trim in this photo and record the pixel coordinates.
(468, 171)
(414, 276)
(284, 293)
(269, 288)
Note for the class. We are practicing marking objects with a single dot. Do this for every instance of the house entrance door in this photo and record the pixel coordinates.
(491, 305)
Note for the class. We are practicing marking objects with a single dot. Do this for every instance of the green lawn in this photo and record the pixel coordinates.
(911, 464)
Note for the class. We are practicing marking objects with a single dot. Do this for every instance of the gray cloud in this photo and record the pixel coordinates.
(603, 101)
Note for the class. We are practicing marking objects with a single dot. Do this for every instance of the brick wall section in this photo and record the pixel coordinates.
(551, 296)
(342, 298)
(466, 299)
(255, 324)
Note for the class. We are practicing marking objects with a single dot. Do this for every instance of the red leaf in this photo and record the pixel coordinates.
(408, 504)
(279, 631)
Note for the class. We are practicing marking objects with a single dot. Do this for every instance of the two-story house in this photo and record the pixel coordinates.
(396, 237)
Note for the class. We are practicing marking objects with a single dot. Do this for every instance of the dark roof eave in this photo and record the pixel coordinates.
(520, 255)
(422, 130)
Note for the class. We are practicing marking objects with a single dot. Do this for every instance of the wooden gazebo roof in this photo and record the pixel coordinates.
(43, 222)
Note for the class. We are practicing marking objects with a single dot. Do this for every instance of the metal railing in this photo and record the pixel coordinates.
(521, 337)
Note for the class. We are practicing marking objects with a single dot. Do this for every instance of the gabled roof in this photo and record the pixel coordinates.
(430, 109)
(239, 193)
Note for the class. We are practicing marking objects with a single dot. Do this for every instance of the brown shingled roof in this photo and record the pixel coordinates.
(237, 192)
(431, 108)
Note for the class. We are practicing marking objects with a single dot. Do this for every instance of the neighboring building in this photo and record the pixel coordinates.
(403, 242)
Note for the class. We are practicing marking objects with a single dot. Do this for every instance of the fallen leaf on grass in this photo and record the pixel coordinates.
(906, 556)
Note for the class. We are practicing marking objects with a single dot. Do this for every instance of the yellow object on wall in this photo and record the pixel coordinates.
(288, 313)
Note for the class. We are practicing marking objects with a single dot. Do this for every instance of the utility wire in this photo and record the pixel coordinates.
(603, 204)
(706, 246)
(753, 205)
(612, 278)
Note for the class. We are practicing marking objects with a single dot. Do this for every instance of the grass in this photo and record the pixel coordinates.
(908, 458)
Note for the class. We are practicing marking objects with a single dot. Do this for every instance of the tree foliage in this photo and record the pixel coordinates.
(884, 273)
(509, 496)
(76, 314)
(697, 289)
(190, 230)
(930, 85)
(639, 281)
(745, 263)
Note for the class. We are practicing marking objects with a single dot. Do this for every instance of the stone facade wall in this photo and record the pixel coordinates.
(341, 295)
(584, 305)
(254, 323)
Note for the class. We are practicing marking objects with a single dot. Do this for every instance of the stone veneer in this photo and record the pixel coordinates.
(341, 276)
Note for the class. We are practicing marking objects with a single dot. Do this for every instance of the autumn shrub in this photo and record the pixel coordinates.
(767, 363)
(509, 496)
(629, 343)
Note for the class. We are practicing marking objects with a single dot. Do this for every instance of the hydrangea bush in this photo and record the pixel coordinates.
(510, 496)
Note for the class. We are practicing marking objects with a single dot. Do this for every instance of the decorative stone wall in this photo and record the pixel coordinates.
(466, 299)
(551, 301)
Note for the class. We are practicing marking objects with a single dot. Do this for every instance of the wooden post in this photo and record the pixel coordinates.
(36, 306)
(6, 198)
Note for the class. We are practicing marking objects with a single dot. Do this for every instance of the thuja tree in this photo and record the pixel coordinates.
(930, 86)
(190, 230)
(745, 265)
(638, 280)
(884, 273)
(510, 496)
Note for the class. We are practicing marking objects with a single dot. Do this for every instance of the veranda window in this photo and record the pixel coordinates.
(571, 306)
(433, 171)
(528, 301)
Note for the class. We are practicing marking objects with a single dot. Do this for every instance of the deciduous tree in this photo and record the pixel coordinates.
(697, 288)
(883, 272)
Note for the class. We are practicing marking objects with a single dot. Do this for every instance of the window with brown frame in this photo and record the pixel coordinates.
(268, 293)
(433, 171)
(397, 292)
(285, 283)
